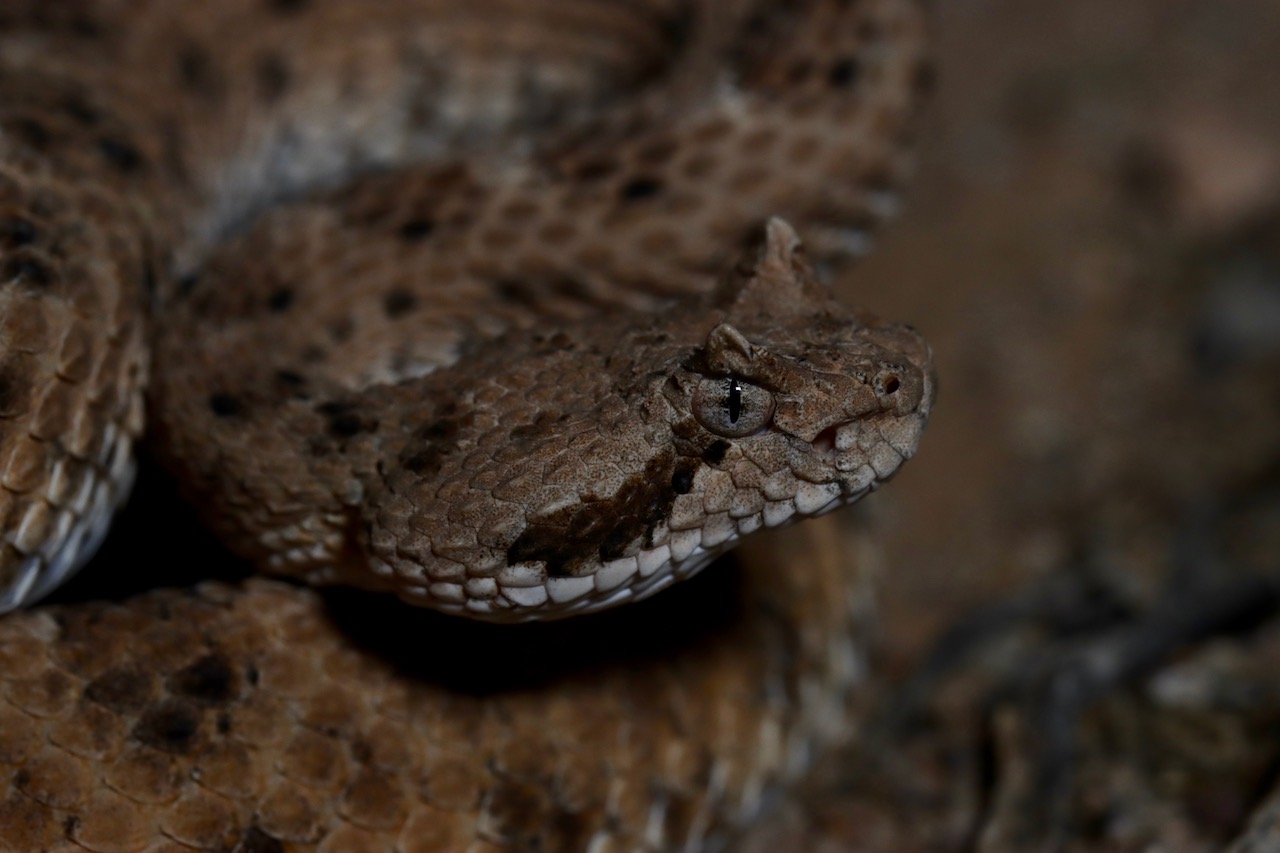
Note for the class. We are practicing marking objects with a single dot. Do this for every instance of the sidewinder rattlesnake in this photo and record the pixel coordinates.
(481, 304)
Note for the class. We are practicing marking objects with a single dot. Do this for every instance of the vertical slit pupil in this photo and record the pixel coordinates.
(735, 400)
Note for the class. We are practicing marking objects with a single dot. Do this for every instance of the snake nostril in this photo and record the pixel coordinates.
(891, 384)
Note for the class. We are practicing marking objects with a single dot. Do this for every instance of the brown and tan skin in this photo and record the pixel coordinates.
(548, 355)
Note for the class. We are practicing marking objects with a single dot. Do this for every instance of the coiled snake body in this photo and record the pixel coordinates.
(445, 300)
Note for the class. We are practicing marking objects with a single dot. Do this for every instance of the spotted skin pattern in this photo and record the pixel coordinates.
(510, 321)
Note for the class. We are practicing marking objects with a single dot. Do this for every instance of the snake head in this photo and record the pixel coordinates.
(620, 455)
(565, 472)
(792, 392)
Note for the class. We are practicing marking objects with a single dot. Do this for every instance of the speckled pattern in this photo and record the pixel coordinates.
(268, 718)
(488, 316)
(543, 474)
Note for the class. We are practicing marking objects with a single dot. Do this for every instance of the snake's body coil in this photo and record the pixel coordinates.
(439, 299)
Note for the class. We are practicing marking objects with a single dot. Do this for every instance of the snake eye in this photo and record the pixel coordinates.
(731, 407)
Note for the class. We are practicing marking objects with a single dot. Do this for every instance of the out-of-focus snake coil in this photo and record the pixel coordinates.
(494, 306)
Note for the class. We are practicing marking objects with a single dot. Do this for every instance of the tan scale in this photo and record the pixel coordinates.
(493, 305)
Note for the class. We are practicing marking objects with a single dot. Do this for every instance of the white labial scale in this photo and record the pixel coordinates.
(718, 530)
(683, 543)
(745, 509)
(615, 573)
(811, 497)
(477, 605)
(833, 504)
(448, 592)
(750, 524)
(481, 588)
(525, 596)
(625, 579)
(652, 560)
(564, 590)
(777, 513)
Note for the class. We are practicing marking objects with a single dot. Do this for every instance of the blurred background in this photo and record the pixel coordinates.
(1078, 642)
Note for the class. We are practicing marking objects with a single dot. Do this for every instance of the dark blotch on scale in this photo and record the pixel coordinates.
(122, 155)
(416, 229)
(425, 453)
(715, 452)
(210, 680)
(280, 300)
(225, 405)
(640, 188)
(344, 420)
(567, 540)
(397, 303)
(16, 231)
(170, 726)
(843, 73)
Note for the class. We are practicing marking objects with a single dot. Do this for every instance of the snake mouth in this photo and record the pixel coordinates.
(868, 451)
